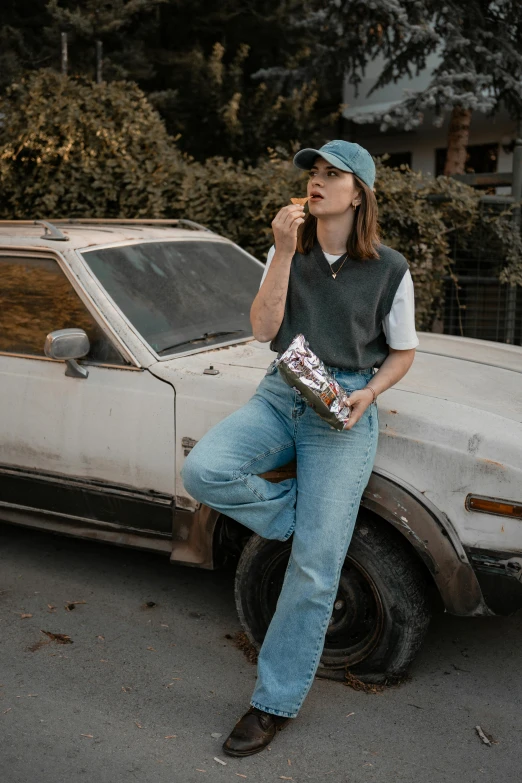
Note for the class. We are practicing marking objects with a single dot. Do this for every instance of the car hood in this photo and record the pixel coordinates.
(502, 355)
(476, 373)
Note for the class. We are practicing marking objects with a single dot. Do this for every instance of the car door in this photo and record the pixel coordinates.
(77, 454)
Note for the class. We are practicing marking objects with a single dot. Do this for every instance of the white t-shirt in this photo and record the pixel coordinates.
(399, 324)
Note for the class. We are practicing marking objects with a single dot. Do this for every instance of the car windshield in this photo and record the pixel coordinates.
(180, 294)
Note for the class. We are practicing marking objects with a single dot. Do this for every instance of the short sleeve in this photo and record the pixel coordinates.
(399, 324)
(269, 257)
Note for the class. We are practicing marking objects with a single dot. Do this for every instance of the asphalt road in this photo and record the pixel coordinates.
(141, 690)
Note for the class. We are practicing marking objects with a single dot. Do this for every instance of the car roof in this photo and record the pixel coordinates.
(86, 233)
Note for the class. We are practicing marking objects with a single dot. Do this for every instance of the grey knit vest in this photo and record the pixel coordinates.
(341, 317)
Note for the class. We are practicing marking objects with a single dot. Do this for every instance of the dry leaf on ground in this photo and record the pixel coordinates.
(243, 643)
(61, 638)
(358, 685)
(71, 604)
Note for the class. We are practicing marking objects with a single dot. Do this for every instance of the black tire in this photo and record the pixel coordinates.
(381, 612)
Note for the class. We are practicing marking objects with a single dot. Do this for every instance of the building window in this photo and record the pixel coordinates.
(480, 159)
(396, 159)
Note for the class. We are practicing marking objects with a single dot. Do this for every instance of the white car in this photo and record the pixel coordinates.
(121, 344)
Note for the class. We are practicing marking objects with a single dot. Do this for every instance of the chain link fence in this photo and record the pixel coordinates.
(476, 304)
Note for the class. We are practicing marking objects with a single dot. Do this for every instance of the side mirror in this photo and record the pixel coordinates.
(68, 345)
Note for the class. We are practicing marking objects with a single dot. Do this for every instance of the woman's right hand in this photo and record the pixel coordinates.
(285, 225)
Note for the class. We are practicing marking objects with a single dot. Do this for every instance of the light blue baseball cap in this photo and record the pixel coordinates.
(344, 155)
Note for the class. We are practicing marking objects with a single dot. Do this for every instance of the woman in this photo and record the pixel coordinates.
(331, 279)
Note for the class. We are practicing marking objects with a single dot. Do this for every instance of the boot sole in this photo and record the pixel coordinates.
(240, 754)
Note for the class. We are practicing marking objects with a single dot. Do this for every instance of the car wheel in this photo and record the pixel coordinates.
(381, 611)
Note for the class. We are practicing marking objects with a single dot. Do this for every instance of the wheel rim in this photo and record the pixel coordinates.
(271, 583)
(357, 617)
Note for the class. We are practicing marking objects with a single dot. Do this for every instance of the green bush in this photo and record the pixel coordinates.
(75, 148)
(238, 201)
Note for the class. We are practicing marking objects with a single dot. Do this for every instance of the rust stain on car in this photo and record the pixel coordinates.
(181, 501)
(187, 444)
(491, 462)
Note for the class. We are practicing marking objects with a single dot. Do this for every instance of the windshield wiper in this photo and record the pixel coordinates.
(202, 338)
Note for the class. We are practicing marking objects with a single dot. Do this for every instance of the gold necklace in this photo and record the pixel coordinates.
(334, 274)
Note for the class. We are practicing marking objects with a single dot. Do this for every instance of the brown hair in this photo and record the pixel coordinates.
(363, 239)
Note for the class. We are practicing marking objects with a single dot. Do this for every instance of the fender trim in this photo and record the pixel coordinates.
(433, 537)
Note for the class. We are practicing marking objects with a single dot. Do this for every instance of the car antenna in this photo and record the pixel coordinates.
(51, 232)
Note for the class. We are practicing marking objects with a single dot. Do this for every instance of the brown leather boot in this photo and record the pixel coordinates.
(253, 732)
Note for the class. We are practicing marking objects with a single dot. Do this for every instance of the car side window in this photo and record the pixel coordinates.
(37, 298)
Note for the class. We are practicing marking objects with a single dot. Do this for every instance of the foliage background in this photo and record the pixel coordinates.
(72, 148)
(194, 61)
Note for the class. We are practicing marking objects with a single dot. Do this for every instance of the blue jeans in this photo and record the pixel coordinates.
(319, 507)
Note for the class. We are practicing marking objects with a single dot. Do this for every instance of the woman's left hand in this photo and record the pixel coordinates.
(359, 400)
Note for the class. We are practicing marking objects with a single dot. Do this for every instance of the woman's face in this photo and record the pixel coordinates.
(331, 190)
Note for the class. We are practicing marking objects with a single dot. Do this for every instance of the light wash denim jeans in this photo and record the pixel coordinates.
(319, 508)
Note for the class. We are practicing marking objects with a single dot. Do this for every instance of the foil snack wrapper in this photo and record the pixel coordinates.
(302, 369)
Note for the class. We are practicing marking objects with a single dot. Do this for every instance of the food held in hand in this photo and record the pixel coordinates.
(302, 369)
(301, 201)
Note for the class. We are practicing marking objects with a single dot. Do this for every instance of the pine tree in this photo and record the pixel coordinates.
(120, 25)
(479, 43)
(30, 34)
